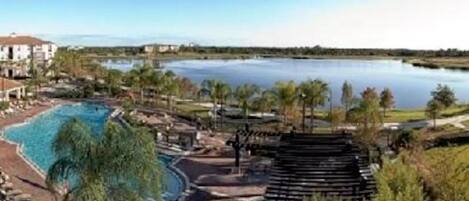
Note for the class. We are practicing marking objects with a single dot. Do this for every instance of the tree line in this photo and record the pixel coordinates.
(277, 51)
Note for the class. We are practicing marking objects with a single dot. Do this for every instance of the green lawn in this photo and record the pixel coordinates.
(192, 108)
(397, 115)
(419, 114)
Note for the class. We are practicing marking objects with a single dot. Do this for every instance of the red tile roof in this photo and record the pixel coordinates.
(21, 40)
(9, 84)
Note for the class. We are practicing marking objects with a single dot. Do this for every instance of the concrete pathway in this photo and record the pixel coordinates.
(456, 121)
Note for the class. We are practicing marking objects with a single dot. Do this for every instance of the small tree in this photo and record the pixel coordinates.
(367, 116)
(386, 100)
(433, 110)
(444, 94)
(336, 117)
(347, 95)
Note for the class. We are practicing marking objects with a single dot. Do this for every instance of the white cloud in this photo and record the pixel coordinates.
(419, 24)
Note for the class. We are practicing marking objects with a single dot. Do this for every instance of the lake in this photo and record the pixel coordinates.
(411, 85)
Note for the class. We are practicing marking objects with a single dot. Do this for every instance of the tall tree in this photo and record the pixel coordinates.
(187, 87)
(386, 100)
(171, 88)
(117, 165)
(113, 79)
(157, 82)
(286, 95)
(347, 95)
(433, 110)
(244, 94)
(316, 94)
(444, 94)
(367, 116)
(222, 92)
(208, 89)
(218, 92)
(140, 78)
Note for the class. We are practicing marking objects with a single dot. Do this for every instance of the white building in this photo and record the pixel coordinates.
(17, 53)
(160, 48)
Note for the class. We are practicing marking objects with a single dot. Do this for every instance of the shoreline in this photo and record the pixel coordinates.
(449, 63)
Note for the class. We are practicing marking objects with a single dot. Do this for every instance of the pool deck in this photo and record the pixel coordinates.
(211, 175)
(23, 176)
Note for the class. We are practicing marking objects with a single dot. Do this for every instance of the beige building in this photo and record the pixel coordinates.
(17, 53)
(160, 48)
(11, 88)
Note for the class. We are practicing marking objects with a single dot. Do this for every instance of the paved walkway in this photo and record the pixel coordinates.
(211, 174)
(456, 121)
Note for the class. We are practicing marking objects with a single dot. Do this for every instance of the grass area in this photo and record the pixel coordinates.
(419, 114)
(192, 108)
(460, 154)
(407, 115)
(447, 129)
(461, 63)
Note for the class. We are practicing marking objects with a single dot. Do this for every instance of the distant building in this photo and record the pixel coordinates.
(17, 53)
(192, 44)
(160, 48)
(76, 47)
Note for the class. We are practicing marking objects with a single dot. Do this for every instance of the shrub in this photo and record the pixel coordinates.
(406, 138)
(88, 91)
(4, 105)
(448, 176)
(318, 197)
(398, 181)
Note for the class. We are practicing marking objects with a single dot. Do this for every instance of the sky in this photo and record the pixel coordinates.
(414, 24)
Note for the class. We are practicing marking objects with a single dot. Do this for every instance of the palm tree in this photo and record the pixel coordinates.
(37, 79)
(140, 78)
(316, 94)
(170, 87)
(264, 102)
(113, 80)
(285, 95)
(222, 91)
(244, 94)
(117, 165)
(208, 89)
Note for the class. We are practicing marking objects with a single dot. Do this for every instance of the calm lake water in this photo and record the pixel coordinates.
(411, 85)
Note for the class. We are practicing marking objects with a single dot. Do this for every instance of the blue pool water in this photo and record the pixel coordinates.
(37, 135)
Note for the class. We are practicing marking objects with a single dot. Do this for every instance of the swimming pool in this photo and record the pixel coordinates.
(36, 137)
